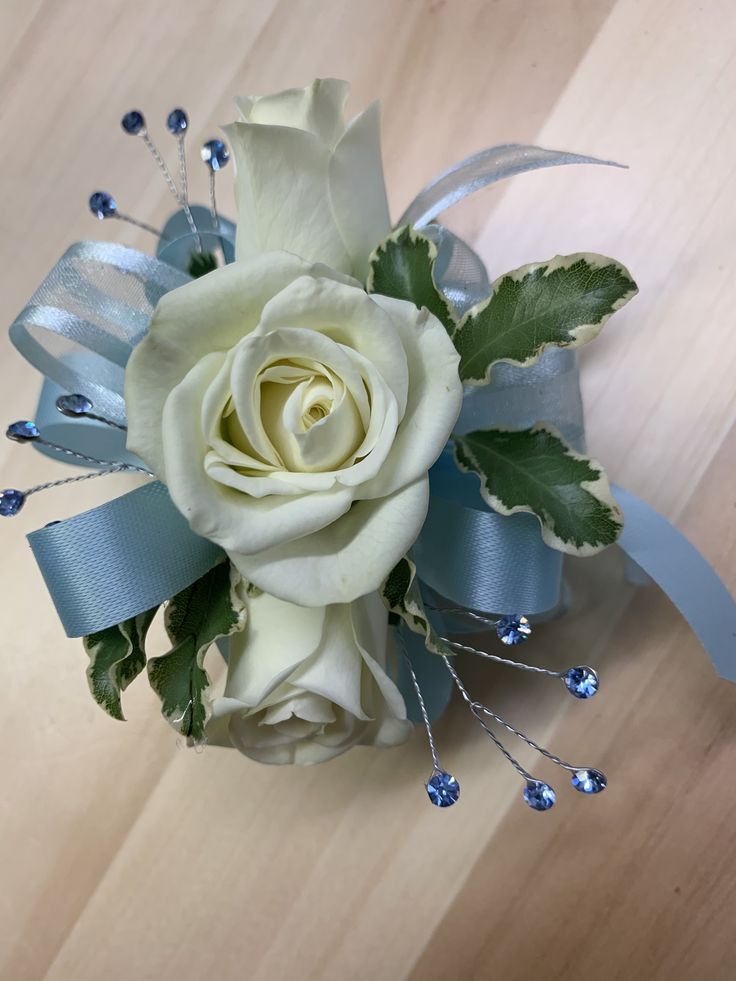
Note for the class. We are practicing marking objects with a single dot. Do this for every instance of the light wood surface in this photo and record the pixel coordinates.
(123, 856)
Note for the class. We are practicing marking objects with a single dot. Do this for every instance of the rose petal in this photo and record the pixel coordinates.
(358, 191)
(346, 559)
(317, 108)
(348, 316)
(234, 520)
(282, 194)
(233, 297)
(435, 398)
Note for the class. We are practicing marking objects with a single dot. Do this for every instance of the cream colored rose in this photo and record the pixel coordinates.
(304, 685)
(293, 418)
(305, 182)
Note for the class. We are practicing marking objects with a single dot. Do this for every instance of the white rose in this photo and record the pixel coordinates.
(294, 418)
(305, 182)
(304, 685)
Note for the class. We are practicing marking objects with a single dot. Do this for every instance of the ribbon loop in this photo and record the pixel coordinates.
(111, 563)
(82, 323)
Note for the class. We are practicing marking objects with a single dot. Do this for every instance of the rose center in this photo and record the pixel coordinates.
(309, 417)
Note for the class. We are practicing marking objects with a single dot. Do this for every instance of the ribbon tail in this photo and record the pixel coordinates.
(683, 574)
(481, 169)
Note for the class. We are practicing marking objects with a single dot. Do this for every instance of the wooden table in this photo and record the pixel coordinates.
(124, 856)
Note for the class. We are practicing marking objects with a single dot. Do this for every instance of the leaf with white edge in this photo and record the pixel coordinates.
(562, 303)
(535, 470)
(116, 656)
(402, 267)
(400, 592)
(210, 608)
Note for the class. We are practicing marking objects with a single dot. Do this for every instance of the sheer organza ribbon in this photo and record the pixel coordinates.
(126, 556)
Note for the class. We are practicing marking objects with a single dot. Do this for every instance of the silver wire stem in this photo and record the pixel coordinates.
(502, 660)
(461, 611)
(479, 707)
(90, 459)
(423, 708)
(499, 745)
(107, 422)
(472, 704)
(213, 203)
(75, 480)
(183, 178)
(140, 224)
(181, 199)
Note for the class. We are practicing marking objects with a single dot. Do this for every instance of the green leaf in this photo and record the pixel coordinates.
(201, 263)
(563, 302)
(535, 470)
(116, 656)
(402, 267)
(195, 618)
(400, 592)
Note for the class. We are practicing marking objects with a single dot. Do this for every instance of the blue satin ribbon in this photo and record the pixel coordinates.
(682, 573)
(115, 561)
(478, 558)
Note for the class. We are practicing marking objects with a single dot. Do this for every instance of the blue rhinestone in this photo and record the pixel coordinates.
(133, 122)
(177, 121)
(443, 789)
(539, 795)
(11, 501)
(215, 154)
(513, 629)
(589, 781)
(102, 204)
(22, 432)
(582, 681)
(73, 405)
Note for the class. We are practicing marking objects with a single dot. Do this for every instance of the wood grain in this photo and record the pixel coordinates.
(126, 857)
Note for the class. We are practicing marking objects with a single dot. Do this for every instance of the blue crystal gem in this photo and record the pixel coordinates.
(11, 501)
(589, 781)
(23, 431)
(513, 629)
(581, 681)
(177, 121)
(215, 154)
(133, 122)
(539, 795)
(102, 204)
(443, 789)
(73, 405)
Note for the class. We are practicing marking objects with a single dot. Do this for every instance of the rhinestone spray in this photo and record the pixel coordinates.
(24, 431)
(580, 681)
(215, 155)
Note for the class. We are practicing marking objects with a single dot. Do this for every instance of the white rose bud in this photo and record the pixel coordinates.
(307, 183)
(304, 685)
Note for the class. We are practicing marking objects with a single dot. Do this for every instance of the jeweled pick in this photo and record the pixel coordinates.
(23, 431)
(539, 795)
(443, 789)
(73, 405)
(177, 121)
(102, 205)
(589, 781)
(513, 629)
(11, 501)
(133, 122)
(581, 681)
(215, 154)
